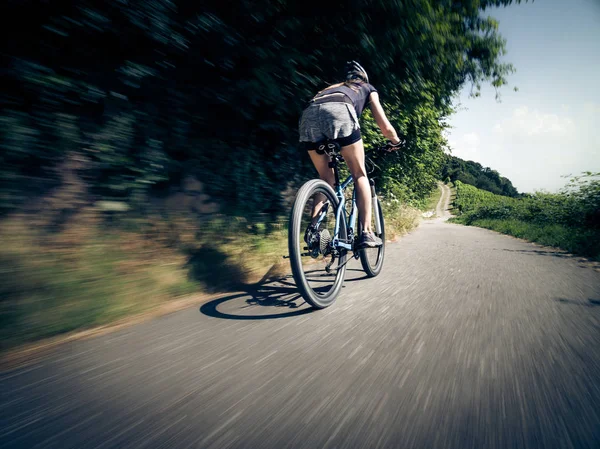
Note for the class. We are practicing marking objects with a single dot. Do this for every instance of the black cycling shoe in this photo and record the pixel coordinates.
(369, 240)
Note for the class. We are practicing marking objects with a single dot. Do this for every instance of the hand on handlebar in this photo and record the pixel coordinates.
(389, 146)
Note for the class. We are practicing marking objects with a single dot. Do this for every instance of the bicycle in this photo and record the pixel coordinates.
(321, 231)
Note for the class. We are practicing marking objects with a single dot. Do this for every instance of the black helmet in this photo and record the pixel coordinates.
(355, 70)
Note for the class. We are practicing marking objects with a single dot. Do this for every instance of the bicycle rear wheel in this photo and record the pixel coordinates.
(318, 268)
(371, 259)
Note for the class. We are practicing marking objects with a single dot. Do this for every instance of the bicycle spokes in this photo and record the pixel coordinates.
(314, 258)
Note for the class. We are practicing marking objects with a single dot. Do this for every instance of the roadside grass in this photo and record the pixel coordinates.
(399, 219)
(573, 240)
(90, 273)
(55, 284)
(568, 220)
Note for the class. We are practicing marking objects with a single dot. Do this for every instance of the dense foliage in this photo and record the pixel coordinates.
(136, 96)
(473, 173)
(572, 216)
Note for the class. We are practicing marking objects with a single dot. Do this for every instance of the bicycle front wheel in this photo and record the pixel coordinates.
(371, 259)
(318, 268)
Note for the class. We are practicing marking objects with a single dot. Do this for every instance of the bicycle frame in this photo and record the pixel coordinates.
(340, 212)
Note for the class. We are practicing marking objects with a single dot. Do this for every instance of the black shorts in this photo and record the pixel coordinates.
(342, 141)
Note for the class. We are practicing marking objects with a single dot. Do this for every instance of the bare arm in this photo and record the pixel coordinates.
(384, 124)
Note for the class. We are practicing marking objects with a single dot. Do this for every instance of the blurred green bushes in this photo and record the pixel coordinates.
(569, 219)
(143, 94)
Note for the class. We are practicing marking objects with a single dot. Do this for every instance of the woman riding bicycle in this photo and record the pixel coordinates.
(333, 114)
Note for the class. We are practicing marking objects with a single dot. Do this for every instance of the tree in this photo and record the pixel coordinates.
(147, 92)
(476, 175)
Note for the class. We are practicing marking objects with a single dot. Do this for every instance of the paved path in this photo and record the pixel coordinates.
(468, 339)
(443, 204)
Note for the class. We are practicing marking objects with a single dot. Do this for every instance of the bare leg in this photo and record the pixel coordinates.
(321, 163)
(354, 155)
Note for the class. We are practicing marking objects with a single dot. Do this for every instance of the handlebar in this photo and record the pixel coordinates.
(332, 148)
(389, 147)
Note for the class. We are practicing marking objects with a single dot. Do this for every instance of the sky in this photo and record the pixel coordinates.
(550, 127)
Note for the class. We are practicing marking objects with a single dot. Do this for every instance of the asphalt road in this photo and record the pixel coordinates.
(468, 339)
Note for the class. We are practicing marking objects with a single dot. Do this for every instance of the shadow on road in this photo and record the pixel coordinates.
(590, 302)
(350, 272)
(277, 298)
(259, 302)
(581, 261)
(541, 252)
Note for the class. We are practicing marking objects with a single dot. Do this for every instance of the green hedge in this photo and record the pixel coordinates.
(569, 219)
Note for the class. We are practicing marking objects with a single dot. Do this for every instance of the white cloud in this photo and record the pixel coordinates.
(534, 148)
(525, 123)
(591, 108)
(466, 146)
